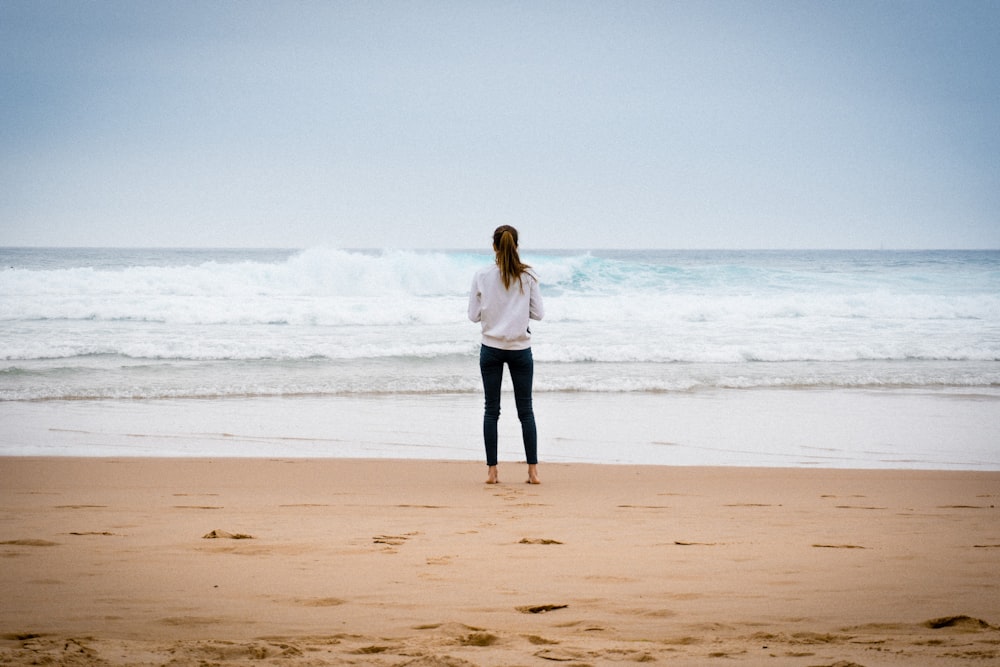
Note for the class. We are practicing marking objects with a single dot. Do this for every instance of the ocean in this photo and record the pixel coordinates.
(106, 327)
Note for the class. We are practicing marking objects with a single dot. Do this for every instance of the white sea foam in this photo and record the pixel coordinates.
(186, 323)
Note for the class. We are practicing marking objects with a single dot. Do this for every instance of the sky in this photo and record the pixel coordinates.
(421, 124)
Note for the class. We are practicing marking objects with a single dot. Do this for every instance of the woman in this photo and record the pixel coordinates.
(503, 298)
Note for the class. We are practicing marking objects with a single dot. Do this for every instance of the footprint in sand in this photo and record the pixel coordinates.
(222, 534)
(540, 641)
(645, 507)
(390, 542)
(30, 543)
(479, 639)
(961, 622)
(190, 621)
(541, 608)
(321, 602)
(561, 655)
(450, 628)
(440, 560)
(374, 649)
(838, 546)
(859, 507)
(220, 651)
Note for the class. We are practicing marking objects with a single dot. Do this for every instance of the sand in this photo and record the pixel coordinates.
(386, 562)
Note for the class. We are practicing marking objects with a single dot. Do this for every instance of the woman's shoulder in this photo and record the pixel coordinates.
(488, 270)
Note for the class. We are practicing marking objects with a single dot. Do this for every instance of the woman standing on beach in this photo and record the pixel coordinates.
(504, 297)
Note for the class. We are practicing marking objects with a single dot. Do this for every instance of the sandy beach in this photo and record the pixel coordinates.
(389, 562)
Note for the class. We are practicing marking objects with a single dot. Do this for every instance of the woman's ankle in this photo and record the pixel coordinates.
(533, 474)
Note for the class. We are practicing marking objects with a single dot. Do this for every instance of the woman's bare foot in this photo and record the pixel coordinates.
(491, 476)
(533, 474)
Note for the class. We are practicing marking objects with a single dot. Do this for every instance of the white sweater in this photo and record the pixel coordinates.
(504, 313)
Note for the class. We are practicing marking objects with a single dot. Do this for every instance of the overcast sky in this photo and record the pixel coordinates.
(617, 124)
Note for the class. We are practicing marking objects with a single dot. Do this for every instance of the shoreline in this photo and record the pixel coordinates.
(397, 562)
(808, 428)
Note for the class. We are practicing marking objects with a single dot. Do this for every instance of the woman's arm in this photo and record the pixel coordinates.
(536, 309)
(475, 302)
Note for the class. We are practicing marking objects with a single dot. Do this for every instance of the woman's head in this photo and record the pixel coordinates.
(505, 247)
(500, 233)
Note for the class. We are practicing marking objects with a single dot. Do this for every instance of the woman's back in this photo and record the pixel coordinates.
(505, 311)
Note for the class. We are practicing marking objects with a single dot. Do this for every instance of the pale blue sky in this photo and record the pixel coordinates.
(851, 124)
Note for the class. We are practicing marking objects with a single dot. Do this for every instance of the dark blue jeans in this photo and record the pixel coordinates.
(522, 371)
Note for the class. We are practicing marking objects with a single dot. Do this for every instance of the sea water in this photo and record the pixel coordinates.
(327, 323)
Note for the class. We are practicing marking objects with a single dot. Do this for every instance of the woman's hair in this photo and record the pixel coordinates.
(505, 246)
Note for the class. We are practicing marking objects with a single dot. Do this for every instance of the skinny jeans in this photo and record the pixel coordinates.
(522, 370)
